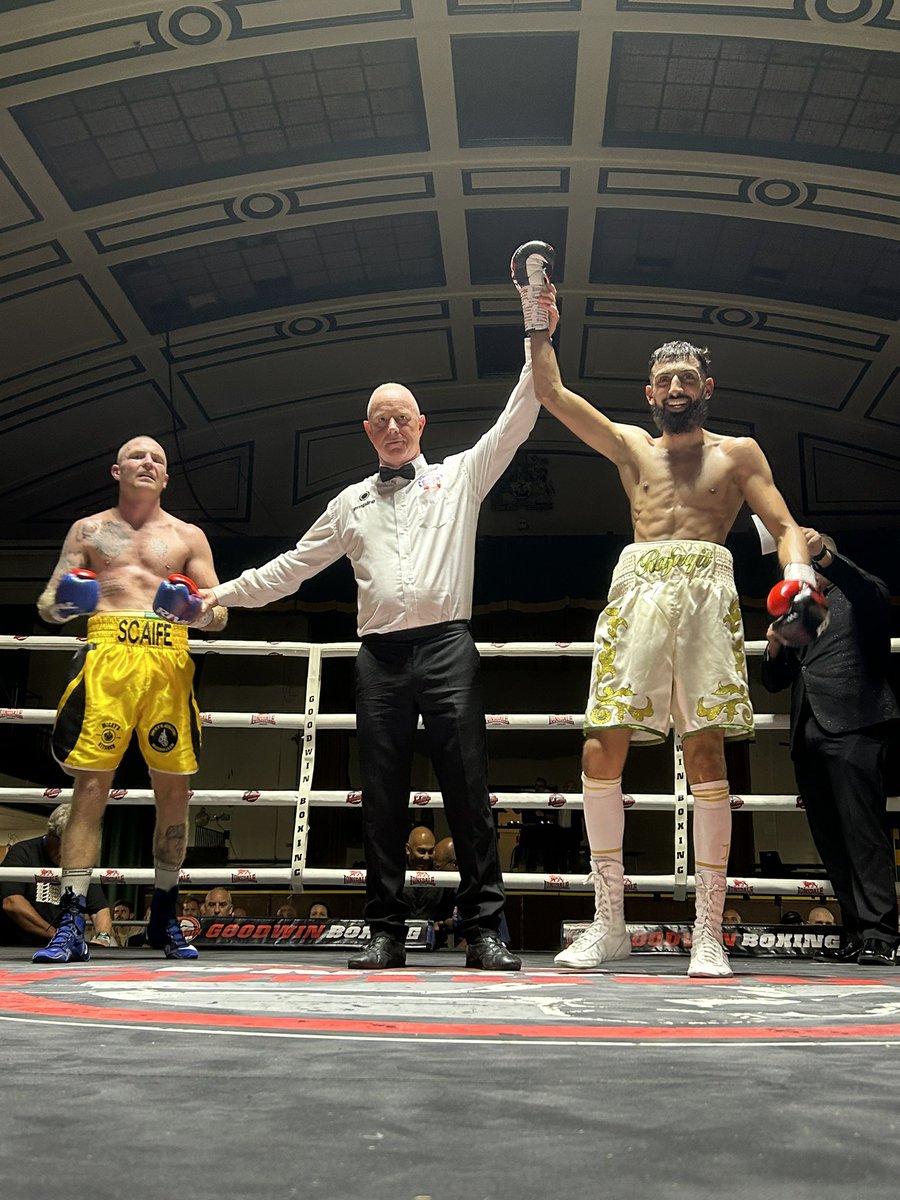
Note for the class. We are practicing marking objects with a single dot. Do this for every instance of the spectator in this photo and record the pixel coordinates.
(419, 849)
(420, 857)
(125, 926)
(820, 915)
(286, 912)
(239, 911)
(843, 714)
(218, 903)
(191, 907)
(318, 912)
(731, 916)
(30, 907)
(791, 917)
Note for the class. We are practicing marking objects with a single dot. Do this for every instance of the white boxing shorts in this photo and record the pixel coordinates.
(669, 646)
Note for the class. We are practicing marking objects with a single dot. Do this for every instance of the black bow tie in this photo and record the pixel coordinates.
(407, 471)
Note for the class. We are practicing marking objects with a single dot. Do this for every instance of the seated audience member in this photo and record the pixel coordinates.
(238, 911)
(218, 903)
(318, 912)
(420, 849)
(30, 907)
(820, 915)
(286, 912)
(791, 917)
(125, 927)
(731, 916)
(191, 907)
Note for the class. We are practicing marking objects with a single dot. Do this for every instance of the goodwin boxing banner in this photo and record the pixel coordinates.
(297, 934)
(741, 941)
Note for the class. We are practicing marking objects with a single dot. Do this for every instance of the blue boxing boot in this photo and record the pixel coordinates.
(163, 928)
(67, 944)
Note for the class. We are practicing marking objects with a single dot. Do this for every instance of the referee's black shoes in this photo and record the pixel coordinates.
(847, 952)
(486, 951)
(382, 951)
(876, 952)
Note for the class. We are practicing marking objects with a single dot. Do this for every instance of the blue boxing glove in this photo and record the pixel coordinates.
(77, 593)
(178, 600)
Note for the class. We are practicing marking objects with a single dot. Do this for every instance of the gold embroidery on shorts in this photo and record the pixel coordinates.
(733, 705)
(656, 562)
(612, 709)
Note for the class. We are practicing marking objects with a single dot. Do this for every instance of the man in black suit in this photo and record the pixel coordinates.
(843, 713)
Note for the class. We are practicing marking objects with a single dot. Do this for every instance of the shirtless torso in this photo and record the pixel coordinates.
(129, 562)
(688, 485)
(133, 547)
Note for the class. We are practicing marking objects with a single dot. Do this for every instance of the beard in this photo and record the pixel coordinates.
(687, 421)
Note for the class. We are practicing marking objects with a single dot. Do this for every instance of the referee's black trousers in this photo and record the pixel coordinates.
(434, 672)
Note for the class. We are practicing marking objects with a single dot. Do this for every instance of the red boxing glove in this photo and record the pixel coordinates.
(178, 600)
(781, 595)
(188, 583)
(800, 612)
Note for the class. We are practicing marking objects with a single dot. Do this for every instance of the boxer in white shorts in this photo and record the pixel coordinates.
(670, 642)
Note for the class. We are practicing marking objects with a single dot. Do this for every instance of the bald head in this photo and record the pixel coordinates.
(820, 916)
(217, 903)
(392, 393)
(394, 424)
(133, 445)
(445, 855)
(420, 848)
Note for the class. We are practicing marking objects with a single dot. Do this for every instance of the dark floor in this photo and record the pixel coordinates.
(277, 1075)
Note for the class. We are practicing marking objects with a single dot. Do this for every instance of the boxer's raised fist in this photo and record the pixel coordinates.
(178, 600)
(77, 593)
(800, 612)
(531, 267)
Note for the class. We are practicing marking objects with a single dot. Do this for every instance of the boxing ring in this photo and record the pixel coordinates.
(529, 1079)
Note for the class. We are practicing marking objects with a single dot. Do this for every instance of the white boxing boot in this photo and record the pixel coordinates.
(606, 939)
(708, 957)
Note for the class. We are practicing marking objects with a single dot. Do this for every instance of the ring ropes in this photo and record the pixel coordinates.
(297, 875)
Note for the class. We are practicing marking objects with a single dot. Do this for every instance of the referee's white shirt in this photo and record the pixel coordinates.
(411, 542)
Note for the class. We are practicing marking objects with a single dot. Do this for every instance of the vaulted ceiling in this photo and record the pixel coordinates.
(223, 223)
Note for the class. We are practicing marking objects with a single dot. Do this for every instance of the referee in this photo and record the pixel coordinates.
(409, 532)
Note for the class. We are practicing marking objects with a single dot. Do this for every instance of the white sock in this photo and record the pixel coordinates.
(712, 825)
(79, 880)
(165, 876)
(604, 817)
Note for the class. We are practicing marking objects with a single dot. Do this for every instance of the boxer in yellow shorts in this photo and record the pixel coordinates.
(134, 674)
(134, 571)
(670, 643)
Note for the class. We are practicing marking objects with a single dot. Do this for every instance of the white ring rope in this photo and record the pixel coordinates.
(297, 875)
(645, 802)
(330, 877)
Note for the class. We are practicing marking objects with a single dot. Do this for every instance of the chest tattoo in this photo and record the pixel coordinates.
(108, 538)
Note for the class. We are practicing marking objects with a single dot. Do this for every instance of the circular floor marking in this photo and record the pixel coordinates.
(313, 999)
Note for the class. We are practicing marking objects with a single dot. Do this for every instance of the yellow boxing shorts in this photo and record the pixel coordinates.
(133, 674)
(669, 646)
